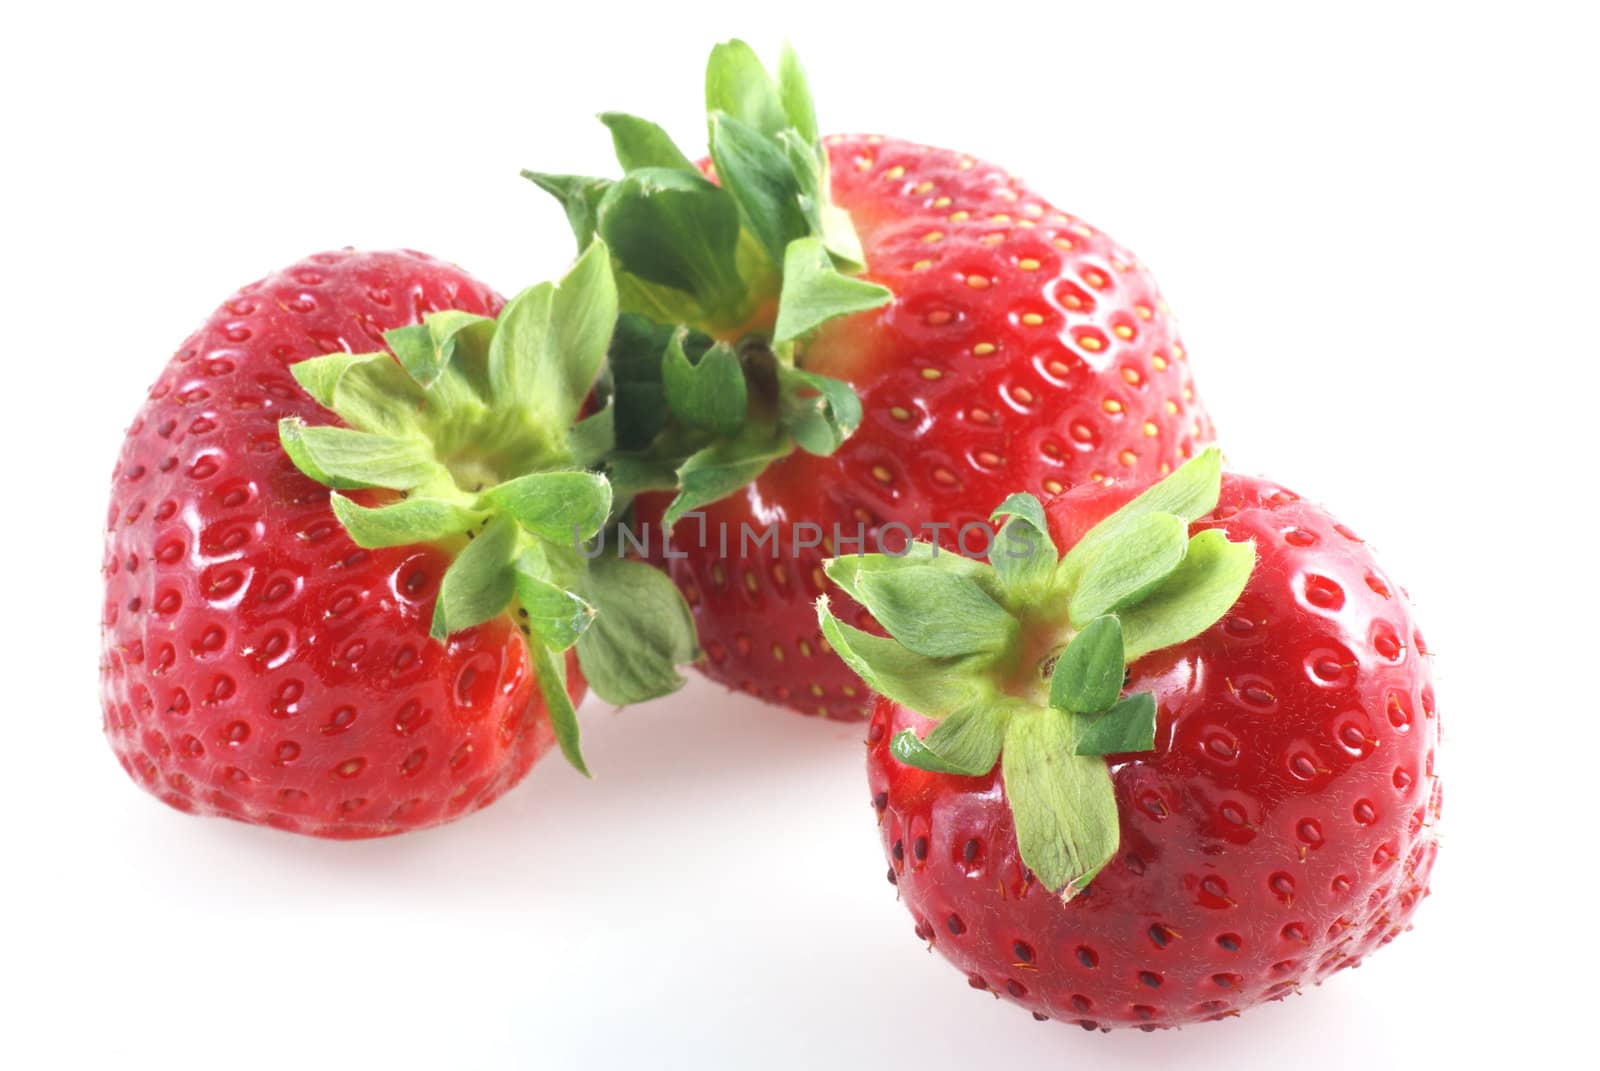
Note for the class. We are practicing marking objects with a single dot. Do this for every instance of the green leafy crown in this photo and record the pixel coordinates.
(469, 437)
(718, 281)
(1022, 660)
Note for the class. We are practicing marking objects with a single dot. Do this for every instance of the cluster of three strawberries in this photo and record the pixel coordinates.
(1160, 749)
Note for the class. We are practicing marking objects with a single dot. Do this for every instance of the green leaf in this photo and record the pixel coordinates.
(1088, 675)
(566, 508)
(369, 391)
(818, 411)
(824, 219)
(425, 350)
(936, 612)
(479, 584)
(346, 459)
(580, 198)
(551, 671)
(676, 230)
(1203, 588)
(593, 438)
(411, 520)
(551, 341)
(1189, 493)
(909, 750)
(518, 348)
(641, 143)
(755, 170)
(1128, 726)
(814, 292)
(720, 469)
(1023, 555)
(924, 684)
(849, 570)
(795, 93)
(738, 84)
(631, 475)
(642, 633)
(708, 395)
(317, 376)
(584, 313)
(635, 360)
(1063, 804)
(966, 743)
(556, 615)
(413, 347)
(1146, 552)
(380, 397)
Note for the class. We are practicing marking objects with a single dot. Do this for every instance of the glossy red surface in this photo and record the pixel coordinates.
(1024, 351)
(1282, 829)
(257, 664)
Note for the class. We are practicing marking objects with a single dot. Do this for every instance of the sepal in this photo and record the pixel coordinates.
(1129, 726)
(479, 584)
(1088, 675)
(641, 143)
(753, 167)
(1023, 554)
(1194, 596)
(1127, 569)
(707, 394)
(579, 197)
(678, 231)
(1189, 493)
(738, 84)
(916, 681)
(716, 471)
(425, 350)
(1062, 803)
(819, 412)
(936, 612)
(643, 631)
(561, 507)
(550, 669)
(346, 459)
(416, 519)
(966, 743)
(557, 617)
(815, 291)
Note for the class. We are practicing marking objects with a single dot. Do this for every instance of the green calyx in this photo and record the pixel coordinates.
(469, 437)
(1022, 660)
(723, 280)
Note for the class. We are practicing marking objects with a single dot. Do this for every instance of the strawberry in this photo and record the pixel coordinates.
(1264, 813)
(994, 343)
(391, 657)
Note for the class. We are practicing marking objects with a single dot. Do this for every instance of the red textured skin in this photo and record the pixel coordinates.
(1288, 807)
(1033, 415)
(256, 663)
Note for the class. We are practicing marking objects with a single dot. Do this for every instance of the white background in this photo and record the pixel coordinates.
(1379, 226)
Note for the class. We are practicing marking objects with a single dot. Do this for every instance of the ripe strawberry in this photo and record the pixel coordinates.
(1022, 350)
(1265, 814)
(266, 645)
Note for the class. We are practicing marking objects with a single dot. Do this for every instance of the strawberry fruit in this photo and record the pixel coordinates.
(994, 343)
(397, 652)
(1187, 768)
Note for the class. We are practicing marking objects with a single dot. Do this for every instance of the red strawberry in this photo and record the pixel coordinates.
(1280, 825)
(1022, 350)
(257, 662)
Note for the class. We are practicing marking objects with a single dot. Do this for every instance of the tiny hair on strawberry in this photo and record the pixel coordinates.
(1184, 767)
(346, 586)
(852, 332)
